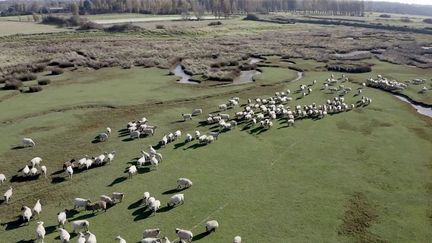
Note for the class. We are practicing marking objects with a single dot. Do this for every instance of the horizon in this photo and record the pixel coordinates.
(418, 2)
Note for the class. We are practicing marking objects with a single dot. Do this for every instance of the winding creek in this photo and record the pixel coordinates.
(426, 111)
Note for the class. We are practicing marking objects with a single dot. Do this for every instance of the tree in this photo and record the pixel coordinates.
(74, 9)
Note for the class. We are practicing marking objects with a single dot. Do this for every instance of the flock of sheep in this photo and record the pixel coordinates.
(259, 112)
(392, 85)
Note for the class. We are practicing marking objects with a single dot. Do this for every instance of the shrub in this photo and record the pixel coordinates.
(44, 81)
(405, 20)
(66, 64)
(35, 88)
(40, 67)
(56, 71)
(160, 26)
(385, 16)
(27, 77)
(61, 21)
(89, 25)
(350, 67)
(427, 21)
(214, 23)
(12, 84)
(123, 28)
(251, 17)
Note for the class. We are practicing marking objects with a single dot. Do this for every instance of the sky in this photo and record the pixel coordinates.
(427, 2)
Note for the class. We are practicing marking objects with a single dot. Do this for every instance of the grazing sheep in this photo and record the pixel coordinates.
(61, 218)
(152, 150)
(102, 137)
(33, 171)
(197, 134)
(26, 214)
(149, 233)
(90, 238)
(108, 130)
(154, 206)
(40, 231)
(188, 138)
(44, 170)
(158, 157)
(184, 234)
(108, 200)
(187, 116)
(36, 161)
(120, 239)
(237, 239)
(177, 133)
(132, 170)
(118, 196)
(176, 200)
(146, 196)
(150, 200)
(196, 112)
(211, 226)
(110, 157)
(78, 225)
(28, 142)
(135, 134)
(7, 195)
(2, 178)
(37, 209)
(183, 183)
(81, 238)
(151, 240)
(81, 202)
(164, 141)
(64, 235)
(69, 171)
(96, 206)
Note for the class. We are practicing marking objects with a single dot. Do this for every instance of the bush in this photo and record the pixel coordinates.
(349, 68)
(27, 77)
(385, 16)
(12, 84)
(57, 71)
(251, 17)
(405, 20)
(35, 88)
(427, 21)
(214, 23)
(62, 22)
(90, 26)
(44, 81)
(160, 26)
(40, 67)
(123, 28)
(66, 64)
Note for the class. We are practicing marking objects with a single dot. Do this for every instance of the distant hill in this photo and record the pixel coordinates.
(399, 8)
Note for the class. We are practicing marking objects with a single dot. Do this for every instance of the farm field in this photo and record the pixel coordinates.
(362, 175)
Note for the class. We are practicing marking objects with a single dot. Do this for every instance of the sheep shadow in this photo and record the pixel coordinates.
(257, 130)
(128, 139)
(195, 146)
(18, 178)
(165, 209)
(57, 179)
(179, 145)
(26, 241)
(143, 215)
(18, 147)
(179, 121)
(84, 216)
(95, 141)
(14, 224)
(2, 201)
(135, 204)
(200, 236)
(50, 229)
(172, 191)
(117, 181)
(57, 172)
(202, 124)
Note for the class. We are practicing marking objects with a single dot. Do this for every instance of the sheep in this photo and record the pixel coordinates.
(64, 235)
(154, 162)
(81, 238)
(40, 231)
(202, 139)
(146, 196)
(7, 195)
(96, 206)
(110, 157)
(154, 206)
(225, 117)
(187, 116)
(102, 137)
(211, 226)
(237, 239)
(150, 200)
(152, 150)
(81, 203)
(26, 214)
(33, 171)
(149, 233)
(28, 142)
(176, 200)
(61, 218)
(215, 135)
(164, 141)
(44, 170)
(159, 157)
(135, 134)
(37, 209)
(196, 112)
(90, 238)
(108, 130)
(223, 107)
(177, 133)
(120, 239)
(26, 171)
(2, 178)
(36, 161)
(151, 240)
(188, 138)
(184, 234)
(69, 171)
(108, 200)
(118, 196)
(132, 170)
(197, 134)
(183, 183)
(80, 224)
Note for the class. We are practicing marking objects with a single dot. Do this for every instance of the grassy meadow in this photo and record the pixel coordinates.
(357, 176)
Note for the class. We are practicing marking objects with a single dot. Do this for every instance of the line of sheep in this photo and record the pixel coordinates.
(88, 162)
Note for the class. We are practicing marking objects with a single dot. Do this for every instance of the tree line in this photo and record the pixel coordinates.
(219, 8)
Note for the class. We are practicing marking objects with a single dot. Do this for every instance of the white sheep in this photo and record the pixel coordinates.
(149, 233)
(28, 142)
(223, 107)
(177, 133)
(26, 214)
(26, 170)
(81, 202)
(152, 150)
(81, 238)
(211, 226)
(183, 183)
(78, 225)
(7, 195)
(184, 234)
(37, 209)
(120, 239)
(188, 138)
(132, 170)
(90, 238)
(146, 196)
(187, 116)
(154, 206)
(150, 200)
(69, 171)
(196, 112)
(33, 171)
(101, 137)
(2, 178)
(197, 134)
(110, 157)
(108, 130)
(135, 134)
(107, 199)
(61, 218)
(164, 141)
(166, 240)
(176, 200)
(64, 235)
(237, 239)
(40, 231)
(151, 240)
(36, 161)
(44, 170)
(117, 196)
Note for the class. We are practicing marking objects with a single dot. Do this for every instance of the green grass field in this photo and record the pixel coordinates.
(362, 175)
